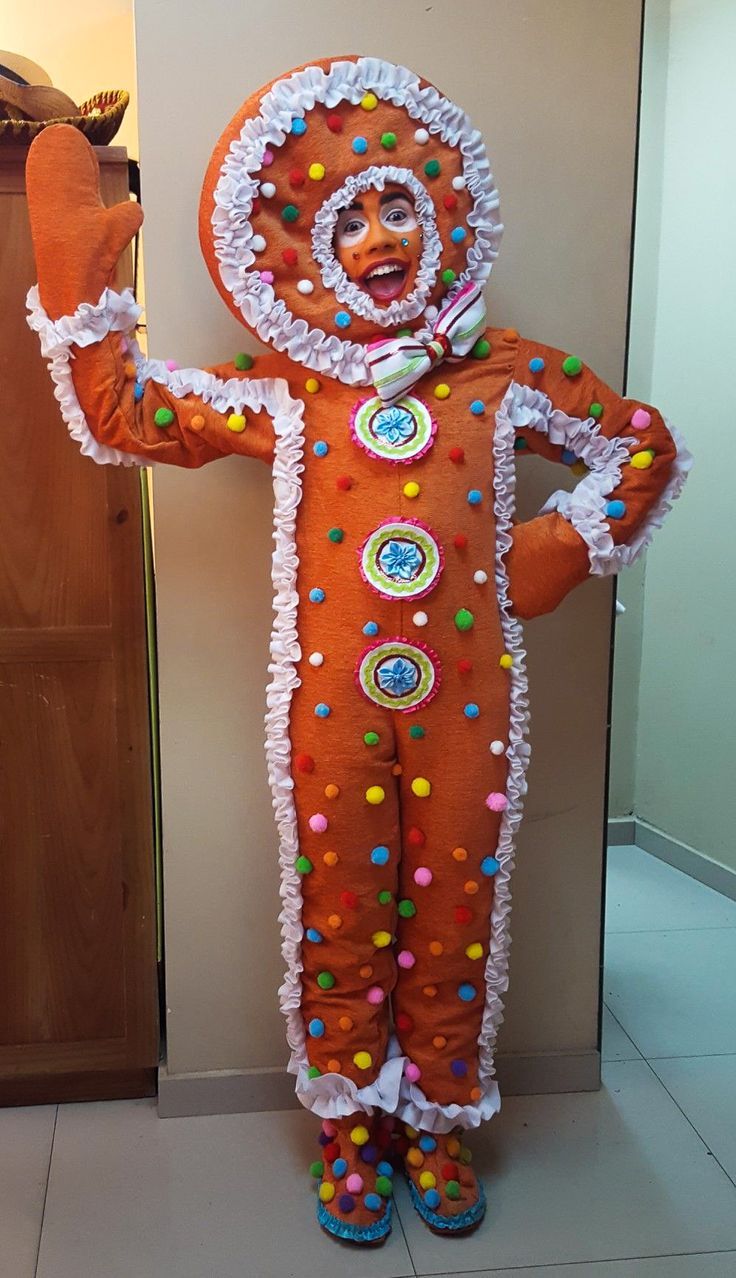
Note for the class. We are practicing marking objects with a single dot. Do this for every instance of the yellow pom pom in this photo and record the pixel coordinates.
(642, 461)
(236, 423)
(453, 1146)
(360, 1134)
(442, 391)
(362, 1060)
(326, 1192)
(474, 951)
(411, 490)
(316, 172)
(369, 102)
(312, 385)
(427, 1180)
(410, 1131)
(578, 469)
(381, 940)
(415, 1157)
(466, 1155)
(375, 794)
(421, 787)
(506, 661)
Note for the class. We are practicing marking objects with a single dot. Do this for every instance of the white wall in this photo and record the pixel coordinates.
(554, 89)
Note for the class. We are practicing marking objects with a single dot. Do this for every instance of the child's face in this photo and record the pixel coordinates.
(378, 243)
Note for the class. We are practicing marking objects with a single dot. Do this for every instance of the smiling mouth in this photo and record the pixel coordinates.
(385, 281)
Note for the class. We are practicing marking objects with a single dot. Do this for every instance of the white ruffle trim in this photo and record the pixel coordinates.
(334, 1096)
(115, 312)
(292, 98)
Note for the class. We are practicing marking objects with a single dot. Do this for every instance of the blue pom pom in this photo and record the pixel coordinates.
(458, 1069)
(321, 710)
(477, 407)
(457, 234)
(380, 855)
(368, 1153)
(466, 992)
(568, 457)
(372, 1201)
(317, 595)
(137, 392)
(427, 1144)
(490, 866)
(360, 145)
(616, 509)
(342, 319)
(385, 1169)
(475, 496)
(536, 365)
(298, 127)
(321, 449)
(339, 1167)
(316, 1028)
(346, 1203)
(471, 710)
(313, 935)
(370, 628)
(432, 1199)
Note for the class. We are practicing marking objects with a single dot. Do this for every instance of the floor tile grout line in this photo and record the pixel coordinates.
(689, 1056)
(689, 1120)
(46, 1192)
(657, 931)
(571, 1264)
(633, 1041)
(406, 1240)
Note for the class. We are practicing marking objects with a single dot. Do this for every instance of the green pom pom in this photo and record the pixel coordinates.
(448, 276)
(371, 738)
(317, 1170)
(416, 731)
(432, 168)
(388, 140)
(384, 897)
(452, 1189)
(407, 909)
(243, 362)
(482, 349)
(571, 366)
(290, 213)
(403, 332)
(520, 444)
(163, 417)
(325, 980)
(304, 865)
(464, 619)
(384, 1187)
(596, 410)
(313, 1072)
(336, 534)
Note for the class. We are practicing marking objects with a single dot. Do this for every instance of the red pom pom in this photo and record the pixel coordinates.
(448, 1171)
(456, 454)
(331, 1152)
(464, 665)
(290, 256)
(304, 763)
(450, 201)
(416, 837)
(344, 483)
(349, 900)
(297, 177)
(404, 1022)
(334, 123)
(463, 914)
(459, 541)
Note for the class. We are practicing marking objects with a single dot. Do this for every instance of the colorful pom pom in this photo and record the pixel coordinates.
(640, 419)
(466, 992)
(571, 366)
(322, 710)
(360, 145)
(496, 802)
(163, 417)
(375, 794)
(370, 628)
(342, 319)
(320, 448)
(423, 876)
(475, 497)
(489, 866)
(421, 787)
(317, 595)
(464, 619)
(318, 823)
(615, 509)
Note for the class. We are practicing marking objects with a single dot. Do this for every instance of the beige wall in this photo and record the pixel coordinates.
(554, 89)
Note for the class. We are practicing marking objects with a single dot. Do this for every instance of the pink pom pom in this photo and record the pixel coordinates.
(375, 995)
(640, 419)
(266, 277)
(318, 823)
(496, 802)
(423, 876)
(171, 364)
(267, 158)
(413, 1072)
(328, 1127)
(406, 959)
(354, 1183)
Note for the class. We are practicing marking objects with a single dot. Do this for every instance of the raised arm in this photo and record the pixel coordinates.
(118, 406)
(631, 466)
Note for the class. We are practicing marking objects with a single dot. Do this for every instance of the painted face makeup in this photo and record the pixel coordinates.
(378, 243)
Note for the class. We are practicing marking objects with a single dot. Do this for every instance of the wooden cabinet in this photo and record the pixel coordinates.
(78, 973)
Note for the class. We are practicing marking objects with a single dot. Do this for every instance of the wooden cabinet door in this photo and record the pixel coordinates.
(78, 974)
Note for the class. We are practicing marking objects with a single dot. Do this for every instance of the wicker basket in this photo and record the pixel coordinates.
(99, 119)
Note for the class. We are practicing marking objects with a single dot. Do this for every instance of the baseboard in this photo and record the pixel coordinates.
(621, 831)
(682, 857)
(251, 1091)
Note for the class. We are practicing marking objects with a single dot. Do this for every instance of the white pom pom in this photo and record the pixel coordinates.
(421, 137)
(497, 747)
(258, 243)
(305, 286)
(458, 184)
(315, 658)
(480, 577)
(268, 190)
(420, 618)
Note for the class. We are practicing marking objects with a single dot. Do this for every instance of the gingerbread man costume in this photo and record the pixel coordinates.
(397, 709)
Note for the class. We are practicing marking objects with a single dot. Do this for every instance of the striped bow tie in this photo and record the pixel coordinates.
(396, 363)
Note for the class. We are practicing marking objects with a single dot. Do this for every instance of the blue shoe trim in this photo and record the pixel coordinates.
(449, 1224)
(355, 1233)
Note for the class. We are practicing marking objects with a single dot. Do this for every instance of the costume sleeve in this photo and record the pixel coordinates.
(124, 409)
(631, 466)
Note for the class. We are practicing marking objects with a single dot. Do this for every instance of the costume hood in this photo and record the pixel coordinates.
(300, 150)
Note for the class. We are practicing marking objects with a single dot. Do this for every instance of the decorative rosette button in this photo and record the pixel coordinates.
(398, 675)
(401, 559)
(398, 432)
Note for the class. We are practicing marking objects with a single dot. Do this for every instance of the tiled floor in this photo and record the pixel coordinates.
(637, 1179)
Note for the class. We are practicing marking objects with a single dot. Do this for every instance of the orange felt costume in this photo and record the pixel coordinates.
(397, 711)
